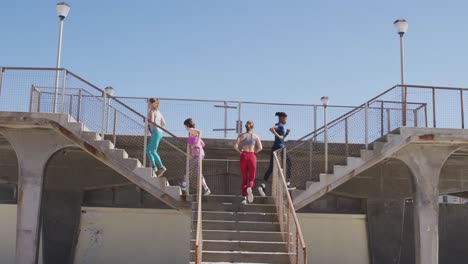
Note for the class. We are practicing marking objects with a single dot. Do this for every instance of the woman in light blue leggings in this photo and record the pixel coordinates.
(156, 123)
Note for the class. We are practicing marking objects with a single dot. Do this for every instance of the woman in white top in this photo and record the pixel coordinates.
(156, 122)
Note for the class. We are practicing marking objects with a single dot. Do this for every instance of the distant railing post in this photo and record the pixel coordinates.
(434, 108)
(70, 108)
(415, 114)
(284, 162)
(404, 95)
(103, 114)
(64, 76)
(114, 135)
(39, 96)
(366, 124)
(389, 124)
(78, 111)
(145, 138)
(462, 110)
(315, 120)
(1, 77)
(239, 120)
(31, 98)
(325, 135)
(187, 170)
(346, 137)
(425, 114)
(381, 118)
(225, 119)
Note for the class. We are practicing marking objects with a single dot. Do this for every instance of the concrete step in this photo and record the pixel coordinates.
(131, 163)
(241, 235)
(144, 172)
(117, 152)
(243, 256)
(377, 146)
(103, 144)
(75, 127)
(236, 199)
(240, 216)
(237, 207)
(90, 136)
(366, 154)
(240, 226)
(236, 245)
(339, 169)
(173, 191)
(353, 162)
(327, 178)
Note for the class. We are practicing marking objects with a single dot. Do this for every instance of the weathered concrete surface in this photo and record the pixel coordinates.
(33, 149)
(425, 162)
(391, 235)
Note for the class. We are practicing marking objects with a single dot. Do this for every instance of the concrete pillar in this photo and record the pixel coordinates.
(425, 163)
(33, 147)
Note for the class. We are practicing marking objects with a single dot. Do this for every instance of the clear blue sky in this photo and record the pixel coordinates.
(256, 50)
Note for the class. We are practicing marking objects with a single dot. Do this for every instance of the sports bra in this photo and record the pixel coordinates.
(248, 140)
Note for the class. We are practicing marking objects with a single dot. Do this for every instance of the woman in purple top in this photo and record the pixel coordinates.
(196, 149)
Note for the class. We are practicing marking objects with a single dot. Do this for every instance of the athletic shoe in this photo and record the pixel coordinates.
(207, 192)
(290, 187)
(244, 201)
(250, 196)
(154, 172)
(262, 190)
(183, 186)
(161, 171)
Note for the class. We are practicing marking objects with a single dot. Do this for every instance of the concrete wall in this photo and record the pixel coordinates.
(335, 238)
(7, 233)
(121, 236)
(116, 236)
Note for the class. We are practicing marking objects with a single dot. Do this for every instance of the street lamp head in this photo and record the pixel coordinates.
(324, 100)
(62, 9)
(401, 26)
(109, 90)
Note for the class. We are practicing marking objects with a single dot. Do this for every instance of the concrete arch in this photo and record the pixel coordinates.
(454, 172)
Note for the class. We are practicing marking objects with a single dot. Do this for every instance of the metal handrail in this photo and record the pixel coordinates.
(199, 236)
(299, 236)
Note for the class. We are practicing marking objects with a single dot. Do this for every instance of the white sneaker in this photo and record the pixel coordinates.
(244, 201)
(261, 190)
(161, 171)
(207, 192)
(183, 186)
(154, 172)
(250, 196)
(291, 187)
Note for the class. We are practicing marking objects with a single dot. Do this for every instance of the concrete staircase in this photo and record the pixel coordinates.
(379, 150)
(118, 159)
(236, 233)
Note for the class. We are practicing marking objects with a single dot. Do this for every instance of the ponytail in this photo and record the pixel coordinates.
(249, 125)
(281, 114)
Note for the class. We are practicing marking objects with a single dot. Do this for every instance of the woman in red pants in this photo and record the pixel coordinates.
(248, 144)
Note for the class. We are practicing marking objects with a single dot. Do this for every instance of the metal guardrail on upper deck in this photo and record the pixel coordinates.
(34, 90)
(407, 105)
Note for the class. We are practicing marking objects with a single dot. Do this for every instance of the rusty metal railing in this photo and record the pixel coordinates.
(287, 217)
(199, 235)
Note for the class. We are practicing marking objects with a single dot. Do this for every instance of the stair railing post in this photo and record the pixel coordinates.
(145, 138)
(389, 124)
(346, 137)
(31, 98)
(462, 110)
(284, 162)
(114, 136)
(187, 170)
(78, 111)
(64, 76)
(325, 135)
(366, 124)
(103, 114)
(1, 77)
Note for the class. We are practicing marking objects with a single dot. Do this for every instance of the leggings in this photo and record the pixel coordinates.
(270, 167)
(152, 149)
(248, 167)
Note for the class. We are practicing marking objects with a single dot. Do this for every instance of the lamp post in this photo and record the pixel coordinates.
(62, 12)
(325, 102)
(401, 26)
